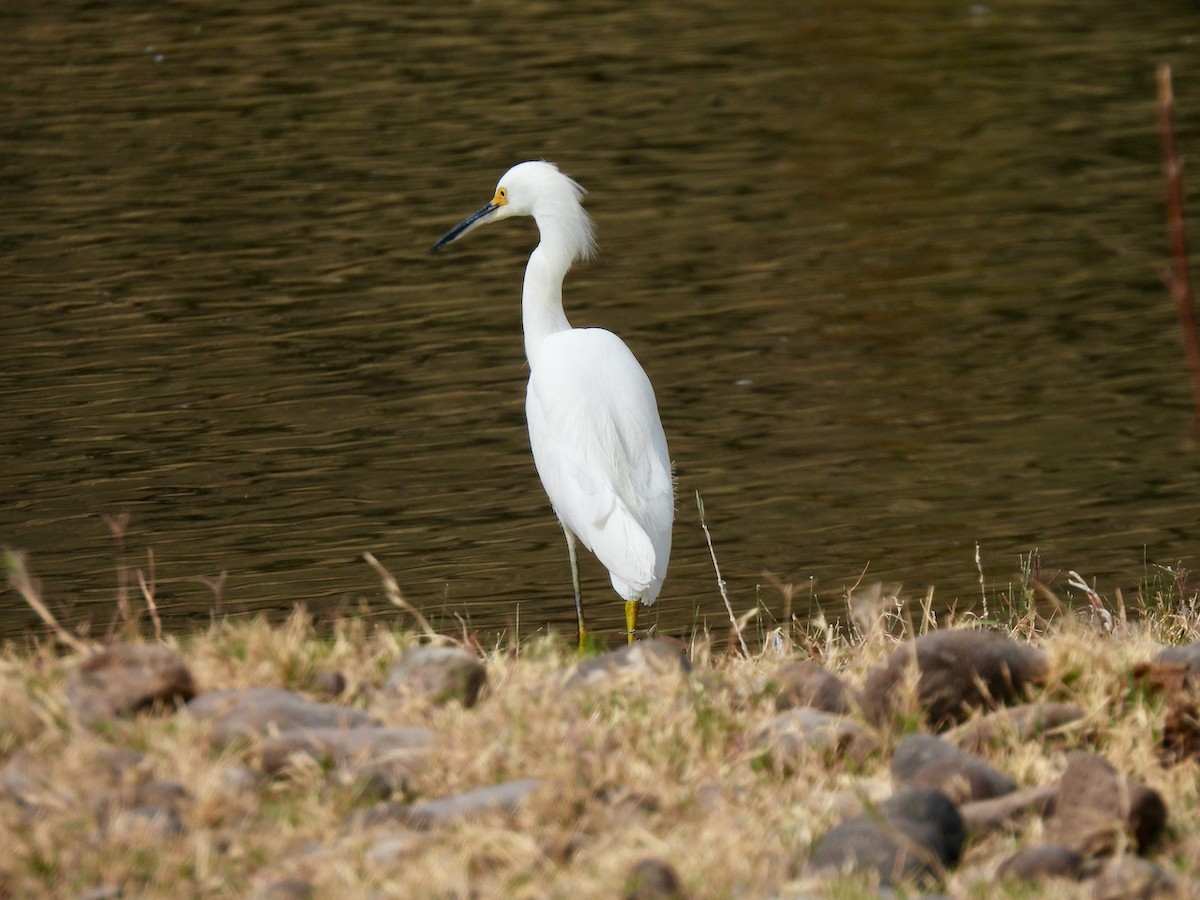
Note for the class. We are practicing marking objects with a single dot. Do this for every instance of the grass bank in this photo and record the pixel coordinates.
(663, 766)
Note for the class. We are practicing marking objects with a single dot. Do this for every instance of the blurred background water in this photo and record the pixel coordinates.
(893, 268)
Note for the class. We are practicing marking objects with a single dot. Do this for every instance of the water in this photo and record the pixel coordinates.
(894, 272)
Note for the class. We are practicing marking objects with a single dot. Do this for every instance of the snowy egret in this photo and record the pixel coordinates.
(597, 440)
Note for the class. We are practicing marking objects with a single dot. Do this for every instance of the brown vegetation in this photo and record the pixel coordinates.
(643, 778)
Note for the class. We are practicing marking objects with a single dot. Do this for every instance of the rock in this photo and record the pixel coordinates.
(161, 792)
(1184, 654)
(856, 797)
(239, 780)
(560, 849)
(286, 889)
(653, 879)
(1043, 861)
(628, 803)
(253, 712)
(923, 760)
(363, 744)
(908, 835)
(370, 785)
(128, 678)
(657, 656)
(30, 791)
(1016, 723)
(373, 760)
(1130, 878)
(710, 797)
(806, 684)
(1181, 729)
(389, 754)
(792, 736)
(962, 783)
(329, 684)
(1095, 803)
(982, 816)
(1179, 683)
(102, 892)
(144, 822)
(438, 674)
(958, 671)
(117, 765)
(428, 813)
(392, 848)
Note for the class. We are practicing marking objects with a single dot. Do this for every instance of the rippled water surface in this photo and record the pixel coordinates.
(894, 269)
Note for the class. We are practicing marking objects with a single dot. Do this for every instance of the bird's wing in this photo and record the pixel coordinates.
(600, 450)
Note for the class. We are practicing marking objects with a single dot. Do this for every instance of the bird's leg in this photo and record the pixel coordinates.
(631, 614)
(575, 584)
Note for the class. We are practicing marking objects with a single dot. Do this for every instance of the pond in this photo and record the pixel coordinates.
(894, 270)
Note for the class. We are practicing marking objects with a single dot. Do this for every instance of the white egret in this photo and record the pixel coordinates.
(597, 440)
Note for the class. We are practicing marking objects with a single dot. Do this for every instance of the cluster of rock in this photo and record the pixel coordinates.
(279, 729)
(1098, 823)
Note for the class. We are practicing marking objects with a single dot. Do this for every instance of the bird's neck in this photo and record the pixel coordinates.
(541, 300)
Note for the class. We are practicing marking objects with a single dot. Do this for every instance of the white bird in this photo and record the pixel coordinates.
(597, 439)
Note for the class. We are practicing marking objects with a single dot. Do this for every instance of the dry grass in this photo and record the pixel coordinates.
(660, 767)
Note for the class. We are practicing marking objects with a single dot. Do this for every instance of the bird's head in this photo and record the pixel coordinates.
(535, 188)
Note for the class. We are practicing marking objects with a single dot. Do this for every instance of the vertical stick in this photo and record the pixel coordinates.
(982, 585)
(1180, 284)
(734, 627)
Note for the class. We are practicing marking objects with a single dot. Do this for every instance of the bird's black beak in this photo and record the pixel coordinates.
(470, 222)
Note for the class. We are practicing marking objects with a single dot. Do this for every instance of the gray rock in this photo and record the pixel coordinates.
(160, 792)
(329, 684)
(438, 674)
(1019, 723)
(924, 760)
(1131, 878)
(286, 889)
(653, 879)
(429, 813)
(1184, 654)
(391, 755)
(392, 848)
(1041, 862)
(254, 712)
(793, 736)
(370, 785)
(806, 684)
(128, 678)
(117, 765)
(560, 849)
(628, 803)
(239, 780)
(154, 821)
(912, 834)
(102, 892)
(30, 791)
(657, 656)
(1095, 804)
(959, 671)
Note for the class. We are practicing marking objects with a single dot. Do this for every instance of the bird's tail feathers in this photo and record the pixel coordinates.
(627, 552)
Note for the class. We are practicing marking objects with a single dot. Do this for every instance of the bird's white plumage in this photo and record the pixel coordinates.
(602, 455)
(594, 428)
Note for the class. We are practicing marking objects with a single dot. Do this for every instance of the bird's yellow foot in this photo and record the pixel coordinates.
(631, 617)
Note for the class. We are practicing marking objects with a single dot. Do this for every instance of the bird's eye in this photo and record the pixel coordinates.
(502, 193)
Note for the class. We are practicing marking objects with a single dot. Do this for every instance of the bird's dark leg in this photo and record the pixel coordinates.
(631, 614)
(575, 584)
